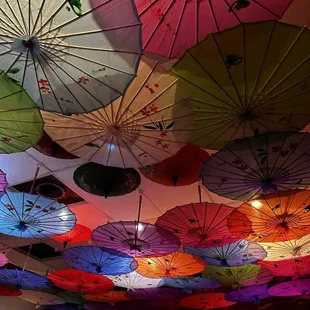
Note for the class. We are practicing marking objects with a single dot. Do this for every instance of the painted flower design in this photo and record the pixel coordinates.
(83, 80)
(43, 82)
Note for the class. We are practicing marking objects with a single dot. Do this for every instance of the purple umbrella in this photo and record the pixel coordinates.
(253, 293)
(136, 238)
(291, 288)
(157, 293)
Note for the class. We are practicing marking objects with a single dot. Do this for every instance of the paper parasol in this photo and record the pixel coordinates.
(281, 216)
(81, 282)
(6, 290)
(111, 298)
(259, 165)
(145, 126)
(172, 265)
(41, 299)
(136, 239)
(157, 293)
(237, 253)
(66, 59)
(33, 216)
(291, 288)
(246, 275)
(99, 260)
(253, 293)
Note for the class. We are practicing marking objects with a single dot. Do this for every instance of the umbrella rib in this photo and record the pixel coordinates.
(38, 16)
(37, 79)
(14, 15)
(268, 10)
(213, 15)
(15, 31)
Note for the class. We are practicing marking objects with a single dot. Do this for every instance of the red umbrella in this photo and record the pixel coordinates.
(8, 291)
(81, 282)
(181, 169)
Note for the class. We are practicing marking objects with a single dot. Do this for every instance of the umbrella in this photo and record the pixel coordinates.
(133, 281)
(170, 28)
(281, 216)
(99, 260)
(66, 60)
(25, 280)
(199, 224)
(111, 298)
(21, 120)
(3, 259)
(9, 291)
(246, 275)
(205, 301)
(237, 88)
(157, 293)
(291, 288)
(171, 265)
(78, 233)
(81, 282)
(41, 299)
(3, 182)
(188, 284)
(179, 170)
(32, 216)
(145, 126)
(253, 293)
(136, 238)
(237, 253)
(106, 181)
(259, 165)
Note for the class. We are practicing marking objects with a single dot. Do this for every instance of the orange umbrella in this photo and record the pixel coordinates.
(111, 297)
(281, 216)
(177, 264)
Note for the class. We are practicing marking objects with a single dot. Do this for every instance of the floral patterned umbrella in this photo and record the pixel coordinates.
(291, 288)
(253, 293)
(157, 293)
(111, 298)
(41, 299)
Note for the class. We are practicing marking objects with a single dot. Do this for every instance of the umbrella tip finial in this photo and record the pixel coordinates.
(175, 179)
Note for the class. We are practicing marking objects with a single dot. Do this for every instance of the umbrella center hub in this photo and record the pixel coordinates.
(195, 233)
(168, 272)
(296, 251)
(22, 226)
(137, 245)
(284, 222)
(268, 186)
(246, 116)
(28, 43)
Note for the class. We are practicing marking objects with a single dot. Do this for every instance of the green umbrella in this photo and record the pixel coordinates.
(21, 122)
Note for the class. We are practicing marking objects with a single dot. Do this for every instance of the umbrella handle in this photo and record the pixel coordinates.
(34, 179)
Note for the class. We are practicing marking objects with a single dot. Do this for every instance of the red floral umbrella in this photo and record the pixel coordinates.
(81, 282)
(181, 169)
(8, 291)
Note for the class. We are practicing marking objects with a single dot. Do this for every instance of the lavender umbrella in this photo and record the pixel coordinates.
(158, 293)
(136, 238)
(253, 293)
(291, 288)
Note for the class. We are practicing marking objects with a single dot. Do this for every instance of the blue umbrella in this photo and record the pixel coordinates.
(188, 284)
(24, 280)
(33, 216)
(99, 260)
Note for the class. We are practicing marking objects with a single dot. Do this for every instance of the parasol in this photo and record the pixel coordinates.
(205, 301)
(78, 233)
(66, 61)
(21, 120)
(156, 293)
(106, 181)
(25, 280)
(247, 80)
(259, 165)
(9, 291)
(3, 182)
(188, 284)
(170, 28)
(136, 238)
(237, 253)
(179, 170)
(133, 281)
(111, 298)
(199, 224)
(32, 216)
(172, 265)
(238, 276)
(291, 288)
(253, 293)
(145, 126)
(41, 299)
(81, 282)
(281, 216)
(99, 260)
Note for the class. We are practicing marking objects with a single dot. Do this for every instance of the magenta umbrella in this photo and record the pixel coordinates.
(170, 27)
(291, 288)
(3, 182)
(253, 293)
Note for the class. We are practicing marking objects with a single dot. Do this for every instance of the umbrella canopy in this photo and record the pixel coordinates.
(157, 293)
(170, 28)
(237, 253)
(291, 288)
(81, 282)
(274, 217)
(246, 275)
(99, 260)
(33, 216)
(253, 293)
(237, 88)
(111, 298)
(172, 265)
(3, 182)
(106, 181)
(134, 280)
(66, 60)
(41, 299)
(78, 233)
(259, 165)
(145, 126)
(199, 224)
(179, 170)
(136, 238)
(21, 120)
(24, 280)
(205, 301)
(188, 284)
(6, 290)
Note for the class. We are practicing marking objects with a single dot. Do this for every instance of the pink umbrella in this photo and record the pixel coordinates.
(291, 288)
(170, 27)
(3, 182)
